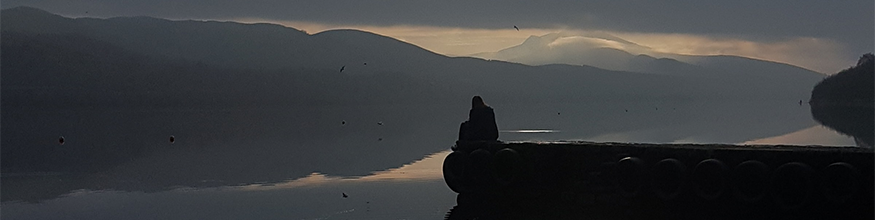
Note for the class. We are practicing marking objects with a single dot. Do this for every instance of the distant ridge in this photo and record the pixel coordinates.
(263, 46)
(611, 52)
(256, 52)
(852, 86)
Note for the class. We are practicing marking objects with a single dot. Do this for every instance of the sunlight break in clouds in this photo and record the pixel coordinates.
(821, 55)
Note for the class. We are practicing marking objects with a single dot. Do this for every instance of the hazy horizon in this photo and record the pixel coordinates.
(820, 36)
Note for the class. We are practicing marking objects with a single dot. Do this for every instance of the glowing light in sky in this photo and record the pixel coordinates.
(816, 54)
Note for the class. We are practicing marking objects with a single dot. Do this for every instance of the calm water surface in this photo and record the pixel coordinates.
(298, 163)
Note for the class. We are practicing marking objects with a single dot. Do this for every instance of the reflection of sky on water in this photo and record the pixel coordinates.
(426, 169)
(301, 161)
(817, 135)
(662, 122)
(412, 191)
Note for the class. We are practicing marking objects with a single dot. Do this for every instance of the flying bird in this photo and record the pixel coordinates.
(517, 29)
(341, 68)
(380, 123)
(172, 139)
(344, 195)
(61, 140)
(343, 122)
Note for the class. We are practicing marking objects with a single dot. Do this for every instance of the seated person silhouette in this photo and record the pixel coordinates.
(481, 123)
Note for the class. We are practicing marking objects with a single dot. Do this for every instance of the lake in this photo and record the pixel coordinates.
(320, 162)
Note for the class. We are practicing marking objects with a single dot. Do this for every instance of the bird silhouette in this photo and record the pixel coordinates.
(517, 29)
(341, 68)
(380, 123)
(172, 139)
(344, 195)
(343, 122)
(61, 140)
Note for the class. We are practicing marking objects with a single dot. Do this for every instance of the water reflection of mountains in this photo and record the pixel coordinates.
(856, 121)
(844, 101)
(129, 150)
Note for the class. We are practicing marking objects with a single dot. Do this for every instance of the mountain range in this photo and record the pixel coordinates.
(144, 60)
(611, 52)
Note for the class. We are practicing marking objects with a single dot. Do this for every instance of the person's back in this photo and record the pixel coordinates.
(481, 124)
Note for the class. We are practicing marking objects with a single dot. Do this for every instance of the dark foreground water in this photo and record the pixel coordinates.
(413, 192)
(337, 162)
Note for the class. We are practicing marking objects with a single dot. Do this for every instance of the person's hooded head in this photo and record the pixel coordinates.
(477, 102)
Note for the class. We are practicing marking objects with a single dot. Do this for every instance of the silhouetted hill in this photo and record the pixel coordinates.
(38, 21)
(259, 50)
(665, 66)
(611, 52)
(743, 68)
(852, 86)
(223, 44)
(69, 70)
(844, 101)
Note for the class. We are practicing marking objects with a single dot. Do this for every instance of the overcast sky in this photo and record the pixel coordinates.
(825, 36)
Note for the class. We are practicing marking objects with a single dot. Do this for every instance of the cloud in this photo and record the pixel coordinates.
(584, 40)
